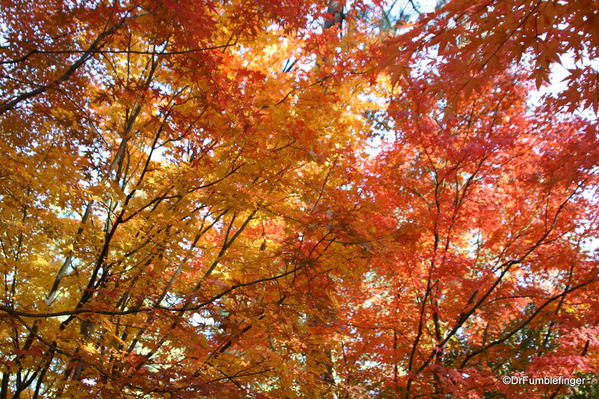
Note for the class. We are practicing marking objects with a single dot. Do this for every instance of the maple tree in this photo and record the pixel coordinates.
(295, 199)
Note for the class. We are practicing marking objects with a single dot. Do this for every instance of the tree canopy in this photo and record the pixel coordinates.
(297, 198)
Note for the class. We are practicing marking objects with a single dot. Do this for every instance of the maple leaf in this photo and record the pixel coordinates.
(283, 199)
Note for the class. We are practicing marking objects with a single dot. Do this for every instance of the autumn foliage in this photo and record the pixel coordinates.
(297, 199)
